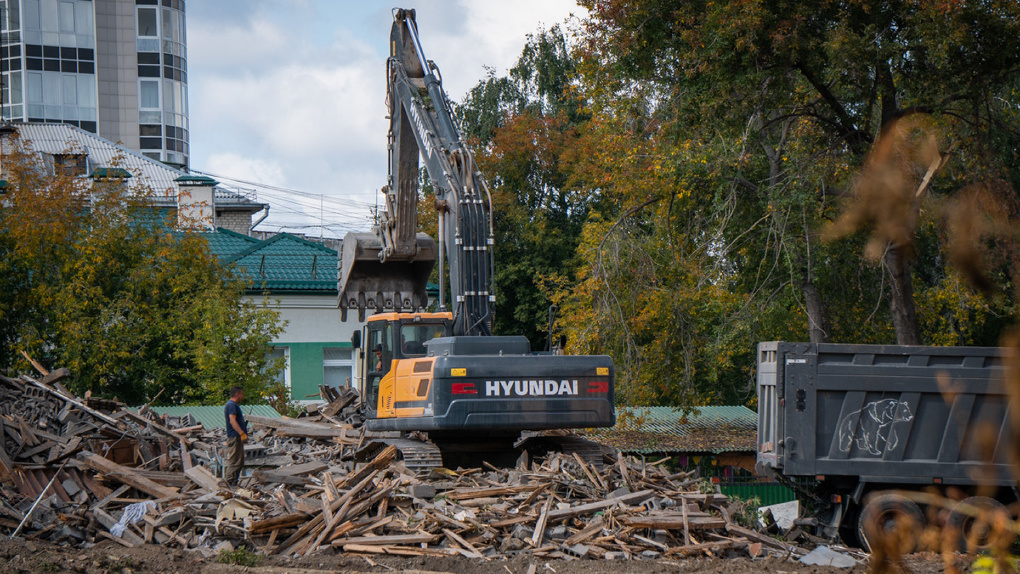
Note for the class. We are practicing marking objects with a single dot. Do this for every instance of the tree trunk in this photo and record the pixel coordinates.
(904, 315)
(818, 320)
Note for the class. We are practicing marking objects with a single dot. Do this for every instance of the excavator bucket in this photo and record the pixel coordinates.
(368, 283)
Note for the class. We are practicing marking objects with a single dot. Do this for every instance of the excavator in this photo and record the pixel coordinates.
(445, 374)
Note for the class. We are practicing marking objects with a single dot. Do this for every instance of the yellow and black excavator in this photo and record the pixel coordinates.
(444, 373)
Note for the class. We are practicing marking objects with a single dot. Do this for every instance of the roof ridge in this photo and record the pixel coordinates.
(278, 237)
(236, 234)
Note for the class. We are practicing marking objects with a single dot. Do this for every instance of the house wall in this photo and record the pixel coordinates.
(314, 339)
(237, 221)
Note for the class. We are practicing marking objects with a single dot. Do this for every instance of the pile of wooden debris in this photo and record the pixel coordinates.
(80, 471)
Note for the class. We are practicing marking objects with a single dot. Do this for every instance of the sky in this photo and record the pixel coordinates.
(287, 99)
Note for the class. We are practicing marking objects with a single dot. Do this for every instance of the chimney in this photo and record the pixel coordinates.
(196, 207)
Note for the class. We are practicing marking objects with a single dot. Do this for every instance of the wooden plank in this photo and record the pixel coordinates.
(674, 522)
(201, 476)
(108, 521)
(390, 540)
(185, 456)
(278, 522)
(592, 529)
(632, 498)
(399, 550)
(126, 475)
(467, 494)
(380, 461)
(543, 518)
(472, 551)
(690, 549)
(301, 469)
(292, 428)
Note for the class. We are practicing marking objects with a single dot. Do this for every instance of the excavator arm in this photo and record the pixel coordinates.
(389, 268)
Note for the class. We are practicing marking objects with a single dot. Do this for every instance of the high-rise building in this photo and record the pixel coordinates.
(117, 68)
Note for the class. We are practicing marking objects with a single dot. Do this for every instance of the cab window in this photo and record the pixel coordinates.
(379, 359)
(414, 336)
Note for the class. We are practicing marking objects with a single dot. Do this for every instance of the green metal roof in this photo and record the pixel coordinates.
(649, 430)
(192, 179)
(110, 173)
(225, 243)
(288, 263)
(283, 262)
(211, 417)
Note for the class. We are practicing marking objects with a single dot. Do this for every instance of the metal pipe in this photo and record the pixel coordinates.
(442, 261)
(39, 499)
(261, 219)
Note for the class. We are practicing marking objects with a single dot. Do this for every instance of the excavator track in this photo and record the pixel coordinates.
(589, 451)
(419, 457)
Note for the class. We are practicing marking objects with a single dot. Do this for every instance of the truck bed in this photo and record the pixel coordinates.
(884, 414)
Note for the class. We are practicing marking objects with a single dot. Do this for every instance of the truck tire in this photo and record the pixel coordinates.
(884, 513)
(975, 531)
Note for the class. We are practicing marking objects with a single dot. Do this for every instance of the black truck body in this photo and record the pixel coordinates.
(862, 418)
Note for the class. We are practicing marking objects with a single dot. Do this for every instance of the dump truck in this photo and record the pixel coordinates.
(869, 433)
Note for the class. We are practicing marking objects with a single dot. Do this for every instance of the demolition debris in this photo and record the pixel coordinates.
(83, 471)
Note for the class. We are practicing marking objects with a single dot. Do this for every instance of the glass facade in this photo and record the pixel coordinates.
(49, 62)
(161, 43)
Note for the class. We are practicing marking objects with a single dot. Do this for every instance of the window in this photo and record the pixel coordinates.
(414, 337)
(65, 16)
(70, 164)
(282, 353)
(148, 94)
(337, 366)
(147, 22)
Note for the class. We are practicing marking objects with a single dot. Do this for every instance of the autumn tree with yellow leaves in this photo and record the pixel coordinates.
(96, 279)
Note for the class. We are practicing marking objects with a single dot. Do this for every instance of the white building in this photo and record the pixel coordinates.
(298, 278)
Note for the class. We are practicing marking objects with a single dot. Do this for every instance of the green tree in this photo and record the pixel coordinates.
(523, 127)
(790, 97)
(724, 136)
(100, 282)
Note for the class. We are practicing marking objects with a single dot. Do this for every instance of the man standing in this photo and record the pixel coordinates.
(237, 435)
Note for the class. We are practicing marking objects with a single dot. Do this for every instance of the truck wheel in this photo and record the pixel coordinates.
(975, 531)
(889, 517)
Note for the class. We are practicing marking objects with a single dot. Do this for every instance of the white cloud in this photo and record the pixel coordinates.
(293, 93)
(257, 170)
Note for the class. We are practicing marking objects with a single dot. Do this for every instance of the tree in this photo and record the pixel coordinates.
(523, 128)
(100, 282)
(791, 96)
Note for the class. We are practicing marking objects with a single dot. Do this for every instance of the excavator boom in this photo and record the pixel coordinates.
(396, 260)
(445, 373)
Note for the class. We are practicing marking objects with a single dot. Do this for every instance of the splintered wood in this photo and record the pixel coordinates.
(83, 471)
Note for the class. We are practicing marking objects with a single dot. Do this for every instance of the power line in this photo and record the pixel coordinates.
(286, 189)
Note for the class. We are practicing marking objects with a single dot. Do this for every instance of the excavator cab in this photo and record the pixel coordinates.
(390, 339)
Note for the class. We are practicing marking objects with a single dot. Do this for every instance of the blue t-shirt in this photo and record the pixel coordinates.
(233, 408)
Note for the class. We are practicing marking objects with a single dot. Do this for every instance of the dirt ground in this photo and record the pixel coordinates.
(21, 556)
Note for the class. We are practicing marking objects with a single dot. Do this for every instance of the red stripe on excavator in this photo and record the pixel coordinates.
(463, 389)
(598, 387)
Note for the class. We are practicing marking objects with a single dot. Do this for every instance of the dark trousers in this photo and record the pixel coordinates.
(235, 459)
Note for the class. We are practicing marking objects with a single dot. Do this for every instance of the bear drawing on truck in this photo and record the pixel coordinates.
(872, 426)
